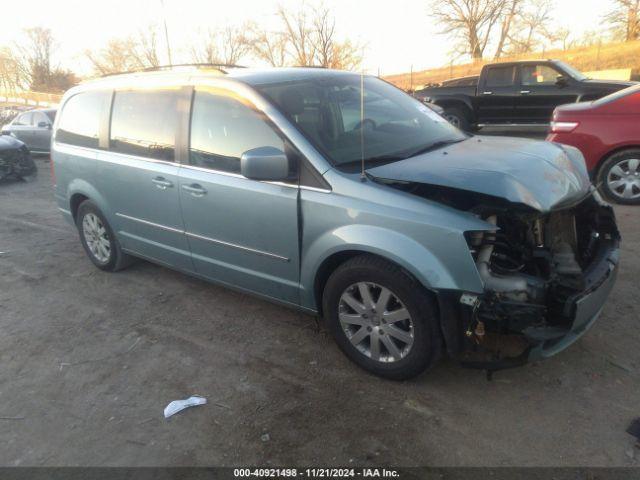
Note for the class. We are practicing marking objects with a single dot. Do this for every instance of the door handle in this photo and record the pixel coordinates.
(487, 93)
(525, 92)
(194, 189)
(162, 183)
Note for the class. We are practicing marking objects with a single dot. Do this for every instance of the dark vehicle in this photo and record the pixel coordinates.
(515, 94)
(15, 160)
(607, 132)
(33, 128)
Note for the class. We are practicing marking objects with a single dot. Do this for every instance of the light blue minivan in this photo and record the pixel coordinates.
(340, 195)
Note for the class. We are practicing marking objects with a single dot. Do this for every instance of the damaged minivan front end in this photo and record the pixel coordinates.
(547, 259)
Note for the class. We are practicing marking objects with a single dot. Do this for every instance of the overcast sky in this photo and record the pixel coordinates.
(397, 33)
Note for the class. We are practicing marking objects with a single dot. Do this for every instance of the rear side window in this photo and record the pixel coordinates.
(223, 128)
(500, 76)
(143, 123)
(80, 119)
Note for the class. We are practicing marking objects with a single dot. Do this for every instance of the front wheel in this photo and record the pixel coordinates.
(381, 318)
(619, 177)
(458, 118)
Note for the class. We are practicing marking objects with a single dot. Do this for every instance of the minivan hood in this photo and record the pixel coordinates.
(540, 175)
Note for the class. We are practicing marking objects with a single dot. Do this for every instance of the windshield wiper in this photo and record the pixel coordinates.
(403, 155)
(433, 146)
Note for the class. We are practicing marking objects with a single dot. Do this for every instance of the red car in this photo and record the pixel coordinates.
(607, 132)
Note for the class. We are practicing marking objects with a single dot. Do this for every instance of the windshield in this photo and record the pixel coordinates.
(578, 75)
(617, 95)
(347, 123)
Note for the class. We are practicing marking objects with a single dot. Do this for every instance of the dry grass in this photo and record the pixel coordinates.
(604, 57)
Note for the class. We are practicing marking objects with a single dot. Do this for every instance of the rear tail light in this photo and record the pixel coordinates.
(563, 127)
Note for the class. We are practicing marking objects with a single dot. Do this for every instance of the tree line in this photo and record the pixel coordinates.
(497, 28)
(307, 37)
(304, 37)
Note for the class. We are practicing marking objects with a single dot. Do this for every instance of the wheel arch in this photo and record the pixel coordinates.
(611, 153)
(335, 247)
(79, 191)
(464, 104)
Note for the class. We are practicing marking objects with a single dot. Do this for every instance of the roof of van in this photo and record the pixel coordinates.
(251, 76)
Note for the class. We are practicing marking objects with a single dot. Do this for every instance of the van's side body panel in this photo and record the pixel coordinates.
(243, 232)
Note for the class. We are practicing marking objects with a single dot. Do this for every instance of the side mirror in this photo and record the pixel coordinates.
(264, 163)
(561, 81)
(44, 125)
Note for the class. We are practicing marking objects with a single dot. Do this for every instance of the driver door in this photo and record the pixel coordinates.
(540, 93)
(241, 232)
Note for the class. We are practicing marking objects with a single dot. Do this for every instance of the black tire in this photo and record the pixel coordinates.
(427, 341)
(619, 159)
(458, 117)
(117, 259)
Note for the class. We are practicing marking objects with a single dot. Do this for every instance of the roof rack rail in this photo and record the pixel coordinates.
(219, 66)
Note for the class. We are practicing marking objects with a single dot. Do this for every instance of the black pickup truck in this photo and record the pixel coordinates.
(517, 94)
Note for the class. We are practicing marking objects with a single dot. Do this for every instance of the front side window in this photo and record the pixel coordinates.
(347, 123)
(539, 75)
(40, 118)
(24, 119)
(500, 76)
(223, 127)
(80, 119)
(143, 123)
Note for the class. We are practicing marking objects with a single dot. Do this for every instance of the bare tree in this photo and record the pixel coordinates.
(298, 32)
(270, 47)
(330, 53)
(33, 64)
(308, 38)
(146, 48)
(625, 19)
(227, 46)
(126, 54)
(509, 15)
(117, 56)
(531, 27)
(12, 76)
(471, 21)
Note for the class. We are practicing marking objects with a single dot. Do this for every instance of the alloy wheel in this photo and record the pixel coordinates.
(376, 322)
(97, 238)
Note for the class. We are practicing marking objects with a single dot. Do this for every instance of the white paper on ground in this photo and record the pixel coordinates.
(179, 405)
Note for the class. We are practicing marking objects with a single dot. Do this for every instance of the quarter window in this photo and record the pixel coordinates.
(223, 127)
(143, 123)
(500, 76)
(80, 119)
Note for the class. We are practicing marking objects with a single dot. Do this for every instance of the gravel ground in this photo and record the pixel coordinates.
(89, 360)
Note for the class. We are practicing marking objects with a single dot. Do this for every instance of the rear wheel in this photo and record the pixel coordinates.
(458, 118)
(98, 240)
(619, 177)
(381, 318)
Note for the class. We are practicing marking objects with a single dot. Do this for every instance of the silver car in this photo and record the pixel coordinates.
(33, 128)
(342, 196)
